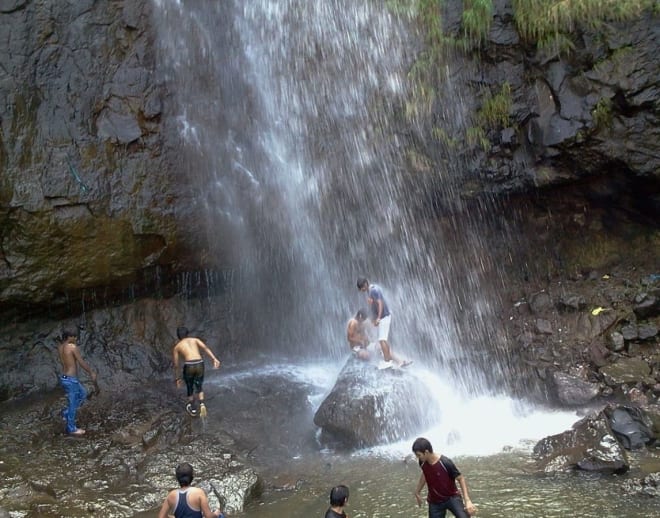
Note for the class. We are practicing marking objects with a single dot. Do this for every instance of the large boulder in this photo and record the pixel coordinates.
(368, 406)
(590, 445)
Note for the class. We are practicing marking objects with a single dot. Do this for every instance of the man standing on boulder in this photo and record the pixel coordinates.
(381, 318)
(76, 394)
(193, 368)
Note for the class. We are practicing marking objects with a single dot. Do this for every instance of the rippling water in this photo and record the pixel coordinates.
(491, 447)
(489, 439)
(500, 485)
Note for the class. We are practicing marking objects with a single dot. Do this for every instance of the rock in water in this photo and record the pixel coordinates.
(368, 406)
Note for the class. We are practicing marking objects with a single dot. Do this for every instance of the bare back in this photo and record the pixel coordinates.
(188, 348)
(355, 333)
(68, 352)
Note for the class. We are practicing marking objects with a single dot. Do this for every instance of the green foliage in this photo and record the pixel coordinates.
(495, 109)
(401, 6)
(602, 114)
(556, 44)
(477, 18)
(476, 137)
(538, 20)
(442, 136)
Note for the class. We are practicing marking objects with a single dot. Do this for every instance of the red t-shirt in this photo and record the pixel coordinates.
(440, 480)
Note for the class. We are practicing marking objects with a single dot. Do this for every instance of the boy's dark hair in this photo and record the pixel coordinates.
(338, 496)
(361, 314)
(421, 445)
(181, 332)
(362, 282)
(68, 332)
(184, 474)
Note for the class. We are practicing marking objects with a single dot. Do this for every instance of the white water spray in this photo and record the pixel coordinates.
(292, 113)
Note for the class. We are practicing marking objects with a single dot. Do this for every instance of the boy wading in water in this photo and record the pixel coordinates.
(187, 502)
(440, 474)
(193, 368)
(338, 500)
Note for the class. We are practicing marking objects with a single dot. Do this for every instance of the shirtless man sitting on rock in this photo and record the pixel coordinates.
(357, 337)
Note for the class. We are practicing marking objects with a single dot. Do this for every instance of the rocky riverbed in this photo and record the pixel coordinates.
(591, 341)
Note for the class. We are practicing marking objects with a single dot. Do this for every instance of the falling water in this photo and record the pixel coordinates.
(292, 118)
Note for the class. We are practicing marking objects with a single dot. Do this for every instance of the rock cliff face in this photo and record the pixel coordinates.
(87, 194)
(577, 112)
(96, 210)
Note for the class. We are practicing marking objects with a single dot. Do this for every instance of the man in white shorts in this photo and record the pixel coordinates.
(381, 318)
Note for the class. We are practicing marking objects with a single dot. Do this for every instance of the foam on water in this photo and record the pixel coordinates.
(483, 425)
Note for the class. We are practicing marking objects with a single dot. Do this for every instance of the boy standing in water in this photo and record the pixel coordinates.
(76, 394)
(187, 502)
(193, 368)
(338, 500)
(440, 475)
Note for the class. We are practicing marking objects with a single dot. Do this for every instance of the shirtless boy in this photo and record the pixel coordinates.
(76, 394)
(356, 335)
(193, 368)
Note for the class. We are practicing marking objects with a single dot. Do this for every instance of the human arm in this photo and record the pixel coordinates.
(418, 489)
(203, 347)
(83, 363)
(379, 311)
(175, 360)
(203, 504)
(165, 508)
(469, 506)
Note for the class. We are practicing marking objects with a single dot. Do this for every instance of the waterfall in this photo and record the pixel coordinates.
(292, 120)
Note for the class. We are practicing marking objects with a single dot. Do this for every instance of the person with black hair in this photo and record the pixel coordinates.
(440, 474)
(338, 500)
(187, 501)
(193, 368)
(357, 337)
(76, 394)
(380, 318)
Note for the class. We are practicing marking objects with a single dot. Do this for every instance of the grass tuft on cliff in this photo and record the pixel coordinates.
(543, 20)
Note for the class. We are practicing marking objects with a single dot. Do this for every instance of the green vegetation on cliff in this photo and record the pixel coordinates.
(546, 24)
(541, 20)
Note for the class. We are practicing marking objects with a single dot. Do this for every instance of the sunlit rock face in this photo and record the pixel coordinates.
(368, 406)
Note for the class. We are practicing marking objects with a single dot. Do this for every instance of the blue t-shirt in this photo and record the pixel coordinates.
(376, 294)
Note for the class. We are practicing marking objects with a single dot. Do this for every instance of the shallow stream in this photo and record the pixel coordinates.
(267, 411)
(489, 438)
(500, 485)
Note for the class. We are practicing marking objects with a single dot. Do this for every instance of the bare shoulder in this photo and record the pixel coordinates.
(68, 349)
(197, 492)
